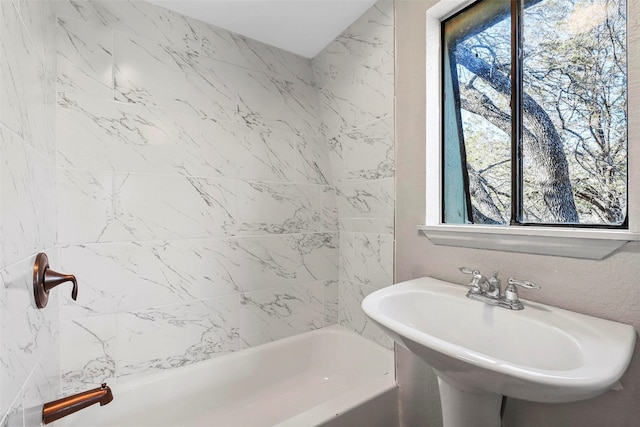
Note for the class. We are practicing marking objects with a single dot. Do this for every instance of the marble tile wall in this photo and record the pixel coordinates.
(195, 198)
(355, 78)
(211, 193)
(28, 336)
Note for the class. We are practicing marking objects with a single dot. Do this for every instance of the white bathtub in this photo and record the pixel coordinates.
(305, 380)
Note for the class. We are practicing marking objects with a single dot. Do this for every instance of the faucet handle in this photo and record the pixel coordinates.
(45, 279)
(477, 276)
(511, 292)
(475, 273)
(467, 270)
(522, 283)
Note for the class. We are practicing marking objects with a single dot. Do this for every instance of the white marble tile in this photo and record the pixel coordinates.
(373, 260)
(115, 277)
(258, 121)
(267, 208)
(5, 401)
(249, 153)
(84, 205)
(219, 43)
(107, 135)
(261, 262)
(42, 386)
(110, 281)
(27, 333)
(367, 225)
(331, 301)
(304, 72)
(265, 100)
(363, 95)
(312, 161)
(273, 61)
(347, 264)
(368, 152)
(172, 207)
(26, 101)
(329, 215)
(321, 69)
(135, 17)
(14, 416)
(39, 20)
(336, 158)
(276, 313)
(152, 74)
(27, 206)
(38, 17)
(88, 352)
(27, 201)
(371, 36)
(355, 76)
(367, 199)
(85, 58)
(245, 52)
(351, 315)
(176, 335)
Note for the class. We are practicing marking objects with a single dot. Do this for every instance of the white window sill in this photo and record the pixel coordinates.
(567, 242)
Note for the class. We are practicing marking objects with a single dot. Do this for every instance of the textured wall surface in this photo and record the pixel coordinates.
(195, 203)
(355, 76)
(28, 336)
(609, 289)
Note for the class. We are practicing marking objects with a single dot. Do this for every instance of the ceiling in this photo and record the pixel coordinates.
(303, 27)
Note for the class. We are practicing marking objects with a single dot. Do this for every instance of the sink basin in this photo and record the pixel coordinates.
(541, 353)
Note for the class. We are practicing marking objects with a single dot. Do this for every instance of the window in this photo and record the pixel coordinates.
(591, 237)
(534, 114)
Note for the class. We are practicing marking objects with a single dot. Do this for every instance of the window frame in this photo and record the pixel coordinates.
(570, 241)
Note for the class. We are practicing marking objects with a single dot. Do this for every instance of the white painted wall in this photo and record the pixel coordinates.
(608, 288)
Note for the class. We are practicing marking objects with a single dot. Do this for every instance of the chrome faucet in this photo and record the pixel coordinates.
(477, 280)
(511, 292)
(57, 409)
(494, 287)
(489, 290)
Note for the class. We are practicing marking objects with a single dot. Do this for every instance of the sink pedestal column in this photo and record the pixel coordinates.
(468, 408)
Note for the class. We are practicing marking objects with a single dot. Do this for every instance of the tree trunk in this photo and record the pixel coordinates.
(486, 211)
(542, 145)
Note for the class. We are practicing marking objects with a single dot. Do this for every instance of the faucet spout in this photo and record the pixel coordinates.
(57, 409)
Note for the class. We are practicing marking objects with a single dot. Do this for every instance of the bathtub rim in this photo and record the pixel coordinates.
(323, 412)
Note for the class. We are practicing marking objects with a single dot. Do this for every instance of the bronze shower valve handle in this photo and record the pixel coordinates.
(45, 279)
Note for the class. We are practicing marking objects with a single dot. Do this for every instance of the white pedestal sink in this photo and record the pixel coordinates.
(481, 352)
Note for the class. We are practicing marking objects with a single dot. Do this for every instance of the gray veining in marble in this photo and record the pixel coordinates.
(355, 77)
(29, 368)
(196, 198)
(209, 191)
